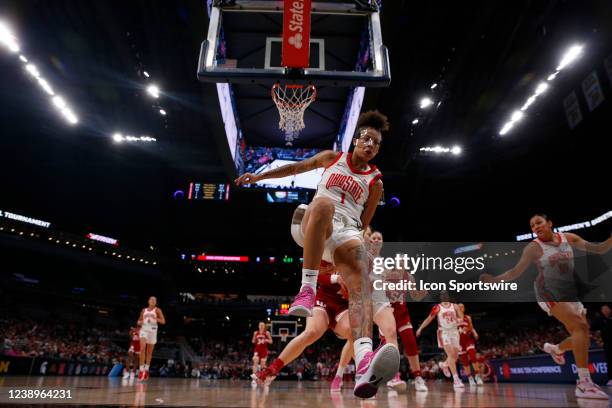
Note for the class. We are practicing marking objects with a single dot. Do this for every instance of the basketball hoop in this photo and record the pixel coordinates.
(283, 333)
(292, 101)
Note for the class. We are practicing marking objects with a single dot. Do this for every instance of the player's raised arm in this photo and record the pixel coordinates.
(321, 159)
(371, 204)
(583, 245)
(529, 255)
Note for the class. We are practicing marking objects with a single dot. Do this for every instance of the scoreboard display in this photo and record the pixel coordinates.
(208, 191)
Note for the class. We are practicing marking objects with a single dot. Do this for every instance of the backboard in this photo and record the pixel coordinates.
(245, 38)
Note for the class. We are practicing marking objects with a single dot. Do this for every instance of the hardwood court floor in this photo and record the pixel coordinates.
(282, 394)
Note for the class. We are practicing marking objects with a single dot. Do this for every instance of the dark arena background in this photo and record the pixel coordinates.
(124, 124)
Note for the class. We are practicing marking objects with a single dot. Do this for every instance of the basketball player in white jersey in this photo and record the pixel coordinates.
(556, 293)
(449, 315)
(346, 199)
(149, 318)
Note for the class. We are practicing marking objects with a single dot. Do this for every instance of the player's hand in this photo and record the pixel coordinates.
(246, 178)
(418, 333)
(487, 278)
(476, 336)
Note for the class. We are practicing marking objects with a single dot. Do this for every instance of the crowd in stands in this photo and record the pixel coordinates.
(57, 340)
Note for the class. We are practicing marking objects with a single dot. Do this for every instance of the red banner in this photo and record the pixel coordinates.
(223, 258)
(296, 33)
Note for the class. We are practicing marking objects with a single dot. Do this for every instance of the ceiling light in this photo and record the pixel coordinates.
(552, 76)
(31, 68)
(146, 74)
(414, 122)
(153, 90)
(58, 102)
(456, 150)
(8, 38)
(162, 112)
(118, 137)
(506, 128)
(570, 56)
(517, 115)
(433, 86)
(541, 88)
(23, 59)
(425, 103)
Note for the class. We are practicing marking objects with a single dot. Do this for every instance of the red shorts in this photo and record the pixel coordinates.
(466, 343)
(335, 307)
(261, 352)
(134, 347)
(402, 318)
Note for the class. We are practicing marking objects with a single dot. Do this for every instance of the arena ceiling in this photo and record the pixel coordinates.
(485, 57)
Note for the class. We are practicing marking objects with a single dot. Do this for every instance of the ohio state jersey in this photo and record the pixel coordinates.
(447, 316)
(149, 319)
(348, 187)
(555, 279)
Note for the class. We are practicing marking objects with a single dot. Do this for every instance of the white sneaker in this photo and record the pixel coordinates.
(419, 384)
(553, 350)
(587, 389)
(126, 375)
(479, 380)
(471, 381)
(458, 384)
(444, 367)
(253, 383)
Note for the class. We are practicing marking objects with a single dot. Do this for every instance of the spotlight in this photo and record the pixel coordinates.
(146, 74)
(433, 86)
(118, 137)
(456, 150)
(8, 38)
(162, 112)
(507, 127)
(58, 102)
(23, 59)
(414, 122)
(31, 68)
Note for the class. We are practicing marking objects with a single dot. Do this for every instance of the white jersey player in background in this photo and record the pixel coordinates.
(449, 315)
(346, 199)
(149, 318)
(557, 294)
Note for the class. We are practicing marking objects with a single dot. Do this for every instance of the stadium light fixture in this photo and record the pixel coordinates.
(570, 56)
(153, 90)
(425, 103)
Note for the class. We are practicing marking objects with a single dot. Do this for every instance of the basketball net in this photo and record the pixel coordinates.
(292, 101)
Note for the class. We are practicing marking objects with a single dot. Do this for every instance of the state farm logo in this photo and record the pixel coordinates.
(296, 23)
(296, 40)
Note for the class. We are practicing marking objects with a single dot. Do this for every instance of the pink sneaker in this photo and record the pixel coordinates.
(336, 385)
(303, 303)
(374, 369)
(587, 389)
(444, 367)
(396, 383)
(553, 351)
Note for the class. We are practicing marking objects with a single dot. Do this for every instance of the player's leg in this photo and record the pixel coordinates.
(343, 330)
(385, 320)
(316, 227)
(465, 362)
(452, 352)
(315, 328)
(262, 362)
(573, 316)
(142, 356)
(255, 363)
(411, 349)
(373, 368)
